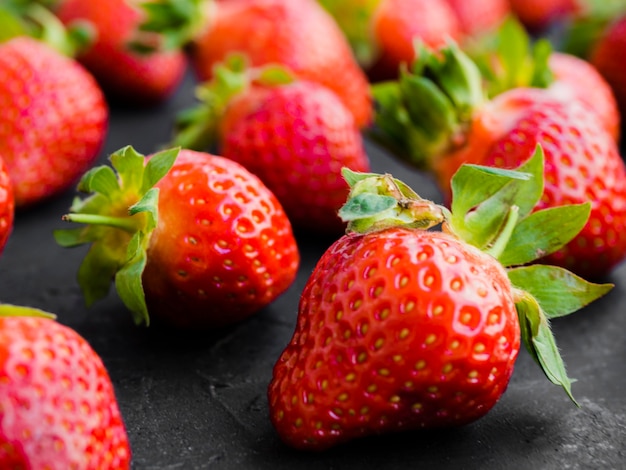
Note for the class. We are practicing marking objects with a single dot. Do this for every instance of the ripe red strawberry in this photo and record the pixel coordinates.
(295, 135)
(53, 119)
(124, 74)
(298, 34)
(7, 206)
(406, 328)
(608, 56)
(203, 244)
(58, 408)
(582, 159)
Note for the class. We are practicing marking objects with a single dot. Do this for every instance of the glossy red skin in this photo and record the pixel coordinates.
(398, 329)
(123, 74)
(582, 163)
(56, 390)
(62, 124)
(609, 57)
(299, 34)
(7, 206)
(297, 138)
(397, 23)
(223, 247)
(577, 79)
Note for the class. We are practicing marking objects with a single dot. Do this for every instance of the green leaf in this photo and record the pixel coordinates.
(544, 232)
(157, 167)
(129, 165)
(69, 238)
(366, 205)
(97, 270)
(558, 291)
(482, 198)
(101, 179)
(538, 338)
(128, 281)
(178, 22)
(274, 74)
(148, 204)
(9, 310)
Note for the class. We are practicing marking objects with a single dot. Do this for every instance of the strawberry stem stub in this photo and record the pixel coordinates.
(119, 214)
(493, 210)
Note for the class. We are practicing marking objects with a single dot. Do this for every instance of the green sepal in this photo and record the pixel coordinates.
(119, 215)
(176, 22)
(483, 196)
(10, 310)
(100, 179)
(538, 339)
(128, 279)
(355, 18)
(510, 58)
(544, 232)
(35, 19)
(196, 127)
(558, 291)
(376, 202)
(426, 112)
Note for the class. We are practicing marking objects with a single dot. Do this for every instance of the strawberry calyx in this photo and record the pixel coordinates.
(118, 218)
(426, 112)
(175, 22)
(36, 20)
(355, 20)
(10, 310)
(493, 210)
(509, 59)
(197, 127)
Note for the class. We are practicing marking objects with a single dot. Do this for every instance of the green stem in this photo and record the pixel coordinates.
(498, 246)
(125, 223)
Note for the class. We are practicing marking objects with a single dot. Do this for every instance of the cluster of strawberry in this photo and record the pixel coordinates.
(415, 315)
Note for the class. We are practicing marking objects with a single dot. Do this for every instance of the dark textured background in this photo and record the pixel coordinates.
(200, 402)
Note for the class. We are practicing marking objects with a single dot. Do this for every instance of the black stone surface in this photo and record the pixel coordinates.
(200, 402)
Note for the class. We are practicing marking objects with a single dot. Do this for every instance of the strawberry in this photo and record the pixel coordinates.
(401, 326)
(195, 241)
(294, 134)
(58, 408)
(7, 206)
(608, 55)
(53, 119)
(299, 34)
(124, 73)
(462, 125)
